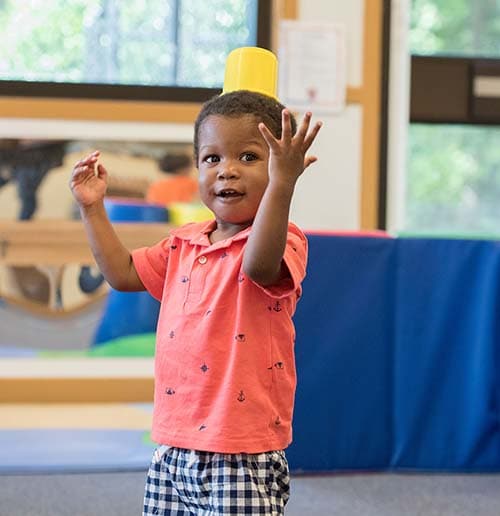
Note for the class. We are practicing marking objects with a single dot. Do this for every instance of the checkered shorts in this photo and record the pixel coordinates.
(188, 482)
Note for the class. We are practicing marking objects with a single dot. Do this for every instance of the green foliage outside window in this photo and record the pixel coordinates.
(148, 42)
(455, 27)
(453, 184)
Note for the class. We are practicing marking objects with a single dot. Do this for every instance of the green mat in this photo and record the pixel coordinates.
(448, 235)
(142, 346)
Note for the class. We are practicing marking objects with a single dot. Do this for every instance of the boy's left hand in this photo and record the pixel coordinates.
(287, 155)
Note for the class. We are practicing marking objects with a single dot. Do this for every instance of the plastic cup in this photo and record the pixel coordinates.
(251, 68)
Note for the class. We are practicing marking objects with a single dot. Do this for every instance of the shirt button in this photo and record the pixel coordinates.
(202, 259)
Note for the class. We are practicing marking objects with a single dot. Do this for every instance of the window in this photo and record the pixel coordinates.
(453, 172)
(154, 49)
(455, 28)
(453, 182)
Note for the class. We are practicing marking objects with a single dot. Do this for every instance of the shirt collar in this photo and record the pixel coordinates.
(197, 234)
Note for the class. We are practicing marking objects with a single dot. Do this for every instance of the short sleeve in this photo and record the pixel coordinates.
(151, 265)
(295, 259)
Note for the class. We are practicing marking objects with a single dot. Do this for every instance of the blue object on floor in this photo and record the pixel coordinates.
(398, 356)
(122, 210)
(129, 313)
(343, 417)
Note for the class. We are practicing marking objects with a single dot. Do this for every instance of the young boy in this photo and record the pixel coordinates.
(224, 366)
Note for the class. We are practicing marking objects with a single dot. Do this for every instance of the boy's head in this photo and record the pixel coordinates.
(232, 156)
(239, 103)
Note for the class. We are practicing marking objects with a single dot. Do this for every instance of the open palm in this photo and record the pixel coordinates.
(287, 157)
(88, 180)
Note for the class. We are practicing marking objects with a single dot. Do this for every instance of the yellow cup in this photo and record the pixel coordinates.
(251, 68)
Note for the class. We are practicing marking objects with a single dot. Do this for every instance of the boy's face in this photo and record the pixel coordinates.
(233, 168)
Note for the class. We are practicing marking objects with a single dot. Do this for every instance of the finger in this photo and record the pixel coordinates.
(101, 171)
(93, 155)
(82, 169)
(304, 126)
(309, 160)
(286, 126)
(81, 172)
(90, 158)
(267, 135)
(312, 135)
(85, 162)
(78, 176)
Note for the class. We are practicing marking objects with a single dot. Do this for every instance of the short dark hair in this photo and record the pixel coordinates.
(243, 102)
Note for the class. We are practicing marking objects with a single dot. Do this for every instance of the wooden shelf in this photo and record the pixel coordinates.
(60, 242)
(79, 380)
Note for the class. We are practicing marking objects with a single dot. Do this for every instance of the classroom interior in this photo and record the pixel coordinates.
(398, 336)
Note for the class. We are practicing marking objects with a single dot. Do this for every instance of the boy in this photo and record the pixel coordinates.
(224, 365)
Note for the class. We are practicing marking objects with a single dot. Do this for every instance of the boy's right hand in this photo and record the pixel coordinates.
(88, 182)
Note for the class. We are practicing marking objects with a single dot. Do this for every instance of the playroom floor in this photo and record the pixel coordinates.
(120, 494)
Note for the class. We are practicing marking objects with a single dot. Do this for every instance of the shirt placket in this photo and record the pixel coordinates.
(197, 279)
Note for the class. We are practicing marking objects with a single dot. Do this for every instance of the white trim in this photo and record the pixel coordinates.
(399, 101)
(19, 368)
(31, 128)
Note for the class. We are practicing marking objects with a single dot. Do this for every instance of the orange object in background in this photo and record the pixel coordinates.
(173, 189)
(179, 186)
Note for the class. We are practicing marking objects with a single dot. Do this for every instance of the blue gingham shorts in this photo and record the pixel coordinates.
(189, 482)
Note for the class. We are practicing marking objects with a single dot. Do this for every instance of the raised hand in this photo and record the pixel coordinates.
(88, 182)
(287, 158)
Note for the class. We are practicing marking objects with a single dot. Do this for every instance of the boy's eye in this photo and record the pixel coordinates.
(248, 156)
(212, 158)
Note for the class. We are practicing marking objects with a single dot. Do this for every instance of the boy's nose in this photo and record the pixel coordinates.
(227, 171)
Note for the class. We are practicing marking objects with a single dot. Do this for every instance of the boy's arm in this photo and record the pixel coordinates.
(112, 258)
(88, 184)
(263, 258)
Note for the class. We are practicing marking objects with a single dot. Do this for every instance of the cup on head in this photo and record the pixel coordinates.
(253, 69)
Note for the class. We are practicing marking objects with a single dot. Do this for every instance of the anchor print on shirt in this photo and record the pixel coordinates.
(277, 365)
(184, 279)
(172, 334)
(174, 247)
(241, 396)
(276, 307)
(240, 337)
(204, 368)
(169, 391)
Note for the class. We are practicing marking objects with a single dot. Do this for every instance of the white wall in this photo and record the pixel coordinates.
(328, 195)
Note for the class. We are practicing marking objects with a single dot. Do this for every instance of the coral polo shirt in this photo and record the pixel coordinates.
(224, 366)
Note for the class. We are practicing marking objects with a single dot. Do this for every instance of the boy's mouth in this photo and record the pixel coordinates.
(227, 193)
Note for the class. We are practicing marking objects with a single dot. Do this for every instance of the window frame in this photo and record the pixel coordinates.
(92, 91)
